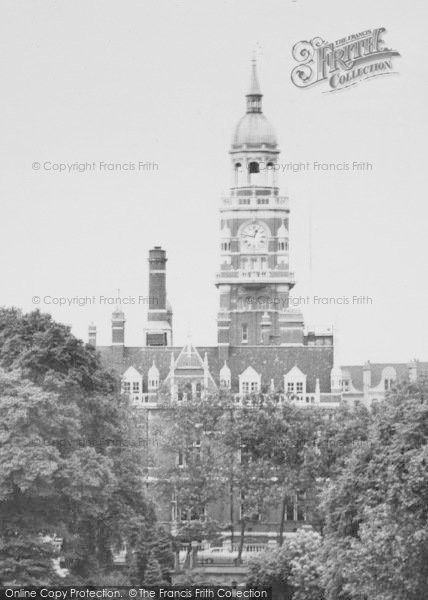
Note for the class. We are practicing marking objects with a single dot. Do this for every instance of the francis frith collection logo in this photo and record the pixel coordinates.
(342, 63)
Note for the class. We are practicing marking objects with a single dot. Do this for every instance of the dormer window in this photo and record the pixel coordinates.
(132, 383)
(249, 382)
(295, 383)
(389, 377)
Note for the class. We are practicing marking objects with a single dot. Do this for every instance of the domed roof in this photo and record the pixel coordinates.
(254, 129)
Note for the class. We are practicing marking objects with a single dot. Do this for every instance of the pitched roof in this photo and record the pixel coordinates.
(189, 358)
(355, 372)
(270, 362)
(249, 373)
(295, 373)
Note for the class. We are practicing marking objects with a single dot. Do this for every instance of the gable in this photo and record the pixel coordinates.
(189, 358)
(295, 374)
(249, 374)
(132, 374)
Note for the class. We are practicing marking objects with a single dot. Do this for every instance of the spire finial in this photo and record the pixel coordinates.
(254, 80)
(254, 96)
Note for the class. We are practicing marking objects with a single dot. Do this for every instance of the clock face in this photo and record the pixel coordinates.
(254, 236)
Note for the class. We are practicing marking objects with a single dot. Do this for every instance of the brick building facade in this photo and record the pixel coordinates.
(262, 344)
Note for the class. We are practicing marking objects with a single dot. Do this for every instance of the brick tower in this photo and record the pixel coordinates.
(254, 279)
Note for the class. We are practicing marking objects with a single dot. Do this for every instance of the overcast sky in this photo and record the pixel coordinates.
(164, 81)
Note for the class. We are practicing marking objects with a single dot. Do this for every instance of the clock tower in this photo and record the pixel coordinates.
(254, 279)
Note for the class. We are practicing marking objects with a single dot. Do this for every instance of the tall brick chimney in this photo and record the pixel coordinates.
(157, 284)
(118, 327)
(159, 318)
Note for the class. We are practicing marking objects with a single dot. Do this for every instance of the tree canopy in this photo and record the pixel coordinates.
(70, 461)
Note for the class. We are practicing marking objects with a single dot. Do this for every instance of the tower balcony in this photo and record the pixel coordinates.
(255, 278)
(255, 196)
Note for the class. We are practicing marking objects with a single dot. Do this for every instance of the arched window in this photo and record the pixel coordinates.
(255, 177)
(270, 174)
(239, 174)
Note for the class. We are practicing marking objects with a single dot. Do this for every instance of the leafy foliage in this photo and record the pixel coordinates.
(376, 509)
(295, 564)
(70, 463)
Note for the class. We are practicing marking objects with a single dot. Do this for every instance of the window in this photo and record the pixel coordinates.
(126, 387)
(300, 508)
(254, 386)
(299, 387)
(345, 385)
(135, 387)
(244, 336)
(245, 387)
(282, 246)
(225, 246)
(290, 509)
(290, 387)
(388, 383)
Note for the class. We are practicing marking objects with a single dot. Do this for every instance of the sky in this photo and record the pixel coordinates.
(164, 82)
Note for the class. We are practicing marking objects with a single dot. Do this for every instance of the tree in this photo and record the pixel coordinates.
(248, 465)
(70, 463)
(189, 473)
(293, 569)
(152, 542)
(153, 575)
(376, 509)
(40, 484)
(162, 551)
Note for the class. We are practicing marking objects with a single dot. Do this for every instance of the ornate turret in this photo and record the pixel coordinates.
(254, 280)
